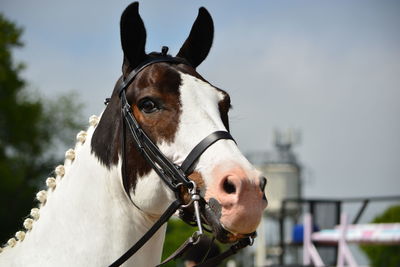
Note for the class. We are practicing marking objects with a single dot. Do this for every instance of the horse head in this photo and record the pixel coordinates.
(177, 108)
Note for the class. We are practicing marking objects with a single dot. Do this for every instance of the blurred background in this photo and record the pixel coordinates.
(315, 86)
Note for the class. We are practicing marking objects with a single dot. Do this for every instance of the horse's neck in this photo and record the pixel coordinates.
(87, 220)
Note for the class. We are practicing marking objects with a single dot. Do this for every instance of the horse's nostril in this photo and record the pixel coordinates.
(229, 187)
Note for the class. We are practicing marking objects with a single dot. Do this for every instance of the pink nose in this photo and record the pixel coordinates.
(242, 200)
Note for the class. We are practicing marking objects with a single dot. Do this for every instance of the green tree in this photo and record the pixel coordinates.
(385, 256)
(29, 127)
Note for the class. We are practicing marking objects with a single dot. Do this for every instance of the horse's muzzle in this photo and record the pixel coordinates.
(212, 214)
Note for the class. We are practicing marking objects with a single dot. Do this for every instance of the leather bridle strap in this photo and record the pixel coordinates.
(165, 169)
(189, 243)
(189, 162)
(149, 61)
(163, 219)
(214, 261)
(242, 243)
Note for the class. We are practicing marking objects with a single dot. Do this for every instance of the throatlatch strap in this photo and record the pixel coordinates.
(163, 219)
(188, 163)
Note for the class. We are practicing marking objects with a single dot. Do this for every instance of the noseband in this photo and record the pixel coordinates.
(173, 175)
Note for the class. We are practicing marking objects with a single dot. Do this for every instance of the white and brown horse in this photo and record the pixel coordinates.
(87, 218)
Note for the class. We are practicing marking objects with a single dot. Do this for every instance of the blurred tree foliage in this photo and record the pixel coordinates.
(385, 256)
(30, 127)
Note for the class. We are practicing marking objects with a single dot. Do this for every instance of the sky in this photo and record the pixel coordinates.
(328, 69)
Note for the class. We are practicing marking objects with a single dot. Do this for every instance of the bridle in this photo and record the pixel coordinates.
(174, 176)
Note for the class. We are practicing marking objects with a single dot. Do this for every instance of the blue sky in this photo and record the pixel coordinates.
(330, 69)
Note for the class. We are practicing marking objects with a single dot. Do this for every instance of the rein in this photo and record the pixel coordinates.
(174, 176)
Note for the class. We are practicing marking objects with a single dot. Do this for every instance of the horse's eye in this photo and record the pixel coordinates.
(148, 106)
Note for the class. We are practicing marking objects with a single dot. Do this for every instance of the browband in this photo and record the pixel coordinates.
(149, 61)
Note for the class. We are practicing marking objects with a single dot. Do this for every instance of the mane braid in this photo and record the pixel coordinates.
(51, 183)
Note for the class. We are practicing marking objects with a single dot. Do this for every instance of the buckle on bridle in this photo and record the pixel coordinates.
(194, 200)
(194, 196)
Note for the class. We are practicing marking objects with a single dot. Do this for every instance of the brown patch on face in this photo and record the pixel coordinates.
(198, 179)
(158, 83)
(224, 106)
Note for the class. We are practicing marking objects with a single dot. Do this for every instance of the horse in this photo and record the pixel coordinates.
(163, 120)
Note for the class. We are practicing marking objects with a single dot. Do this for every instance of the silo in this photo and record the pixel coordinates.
(283, 173)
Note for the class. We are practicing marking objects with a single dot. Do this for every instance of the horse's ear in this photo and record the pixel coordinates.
(198, 44)
(133, 37)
